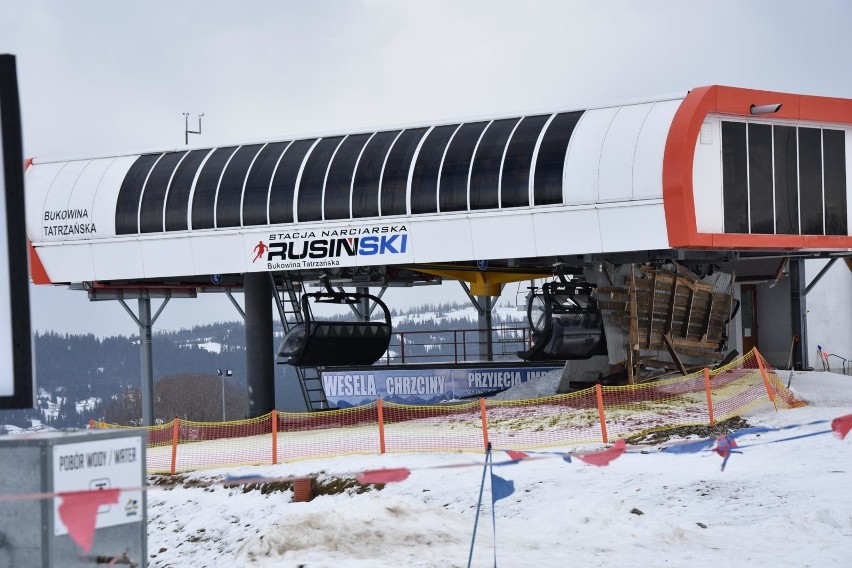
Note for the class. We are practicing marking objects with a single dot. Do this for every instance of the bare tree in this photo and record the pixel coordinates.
(125, 409)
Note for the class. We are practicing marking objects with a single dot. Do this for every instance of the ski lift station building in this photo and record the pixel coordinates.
(755, 183)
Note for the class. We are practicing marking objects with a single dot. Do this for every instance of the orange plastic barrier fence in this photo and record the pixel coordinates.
(592, 415)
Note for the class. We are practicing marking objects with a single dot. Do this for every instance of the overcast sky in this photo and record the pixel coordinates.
(104, 77)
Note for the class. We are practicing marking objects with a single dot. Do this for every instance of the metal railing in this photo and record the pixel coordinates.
(455, 346)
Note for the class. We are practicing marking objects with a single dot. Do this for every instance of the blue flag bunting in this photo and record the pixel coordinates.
(501, 488)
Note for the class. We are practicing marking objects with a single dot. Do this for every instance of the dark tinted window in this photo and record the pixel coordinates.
(313, 179)
(760, 178)
(547, 183)
(204, 196)
(810, 180)
(515, 184)
(485, 176)
(284, 182)
(228, 201)
(154, 196)
(178, 200)
(256, 192)
(338, 185)
(127, 206)
(365, 191)
(456, 167)
(424, 181)
(786, 181)
(735, 177)
(834, 162)
(395, 176)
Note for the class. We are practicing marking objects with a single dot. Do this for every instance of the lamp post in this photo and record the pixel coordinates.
(227, 373)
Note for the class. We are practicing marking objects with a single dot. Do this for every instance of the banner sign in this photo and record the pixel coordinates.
(330, 247)
(344, 389)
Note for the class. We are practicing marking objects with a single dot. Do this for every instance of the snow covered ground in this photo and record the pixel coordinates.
(776, 504)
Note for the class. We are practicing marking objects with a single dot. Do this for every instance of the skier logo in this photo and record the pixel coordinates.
(260, 248)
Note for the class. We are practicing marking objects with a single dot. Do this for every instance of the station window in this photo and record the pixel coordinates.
(178, 198)
(153, 197)
(338, 184)
(365, 189)
(515, 182)
(256, 192)
(783, 179)
(761, 213)
(397, 167)
(456, 167)
(204, 196)
(786, 171)
(313, 179)
(231, 187)
(834, 161)
(485, 174)
(550, 163)
(284, 182)
(424, 182)
(127, 206)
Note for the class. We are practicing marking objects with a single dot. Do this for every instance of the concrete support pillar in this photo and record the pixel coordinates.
(260, 357)
(798, 313)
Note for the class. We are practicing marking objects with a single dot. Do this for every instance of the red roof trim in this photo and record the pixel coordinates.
(678, 191)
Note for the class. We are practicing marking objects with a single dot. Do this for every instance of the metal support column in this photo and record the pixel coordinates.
(364, 308)
(260, 357)
(485, 327)
(146, 352)
(798, 313)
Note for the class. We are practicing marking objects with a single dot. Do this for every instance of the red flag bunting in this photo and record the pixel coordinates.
(606, 456)
(842, 425)
(383, 476)
(514, 455)
(79, 510)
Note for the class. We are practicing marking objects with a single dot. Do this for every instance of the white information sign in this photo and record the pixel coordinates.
(100, 464)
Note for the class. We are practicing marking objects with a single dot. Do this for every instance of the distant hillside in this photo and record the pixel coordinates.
(77, 374)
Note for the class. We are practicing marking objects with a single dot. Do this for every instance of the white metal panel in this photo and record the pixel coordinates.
(55, 209)
(507, 236)
(106, 197)
(634, 227)
(650, 149)
(37, 182)
(441, 239)
(167, 256)
(580, 176)
(114, 260)
(707, 178)
(82, 197)
(566, 232)
(217, 254)
(615, 181)
(67, 263)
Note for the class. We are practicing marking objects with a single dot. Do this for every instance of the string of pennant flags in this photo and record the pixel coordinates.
(78, 509)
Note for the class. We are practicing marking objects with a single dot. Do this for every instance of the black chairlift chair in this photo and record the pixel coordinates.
(316, 343)
(565, 322)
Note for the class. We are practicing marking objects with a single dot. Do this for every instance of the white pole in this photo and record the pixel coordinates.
(223, 397)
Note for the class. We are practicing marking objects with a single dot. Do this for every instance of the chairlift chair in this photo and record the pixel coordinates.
(323, 343)
(565, 322)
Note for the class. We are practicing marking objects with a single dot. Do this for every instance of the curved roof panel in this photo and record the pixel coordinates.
(694, 172)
